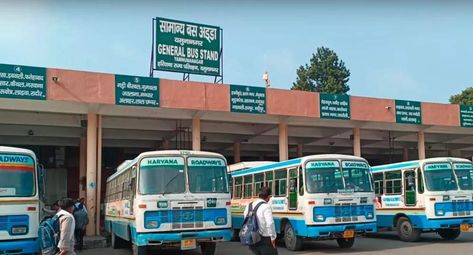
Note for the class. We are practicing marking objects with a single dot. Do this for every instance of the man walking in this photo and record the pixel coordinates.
(66, 227)
(82, 219)
(266, 228)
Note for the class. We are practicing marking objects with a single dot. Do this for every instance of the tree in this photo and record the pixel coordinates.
(465, 97)
(326, 73)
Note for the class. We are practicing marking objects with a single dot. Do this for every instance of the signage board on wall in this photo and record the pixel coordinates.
(22, 82)
(334, 106)
(408, 112)
(247, 99)
(136, 91)
(466, 115)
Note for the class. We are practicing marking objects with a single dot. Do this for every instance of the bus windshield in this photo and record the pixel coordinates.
(17, 175)
(439, 177)
(323, 176)
(357, 176)
(464, 172)
(207, 175)
(162, 175)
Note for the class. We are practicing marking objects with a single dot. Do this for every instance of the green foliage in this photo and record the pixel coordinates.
(326, 73)
(465, 97)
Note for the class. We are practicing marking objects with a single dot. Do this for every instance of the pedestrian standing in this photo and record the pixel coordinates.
(82, 219)
(66, 226)
(266, 228)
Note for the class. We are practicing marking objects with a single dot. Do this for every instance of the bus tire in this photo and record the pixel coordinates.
(448, 233)
(116, 241)
(208, 248)
(139, 250)
(291, 240)
(406, 231)
(345, 243)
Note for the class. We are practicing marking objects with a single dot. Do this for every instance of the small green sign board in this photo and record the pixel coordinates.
(246, 99)
(334, 106)
(22, 82)
(187, 47)
(466, 115)
(211, 202)
(136, 91)
(408, 112)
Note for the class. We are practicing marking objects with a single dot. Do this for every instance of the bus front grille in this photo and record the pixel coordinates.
(461, 208)
(187, 217)
(346, 212)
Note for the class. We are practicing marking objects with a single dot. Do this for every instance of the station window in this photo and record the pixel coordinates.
(259, 181)
(248, 192)
(280, 183)
(378, 183)
(238, 187)
(393, 183)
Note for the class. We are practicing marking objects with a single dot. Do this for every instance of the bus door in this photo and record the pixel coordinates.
(410, 188)
(293, 190)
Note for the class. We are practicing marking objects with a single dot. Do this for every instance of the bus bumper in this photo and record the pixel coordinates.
(144, 239)
(26, 246)
(334, 231)
(424, 223)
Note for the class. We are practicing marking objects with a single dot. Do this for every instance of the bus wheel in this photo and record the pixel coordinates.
(345, 242)
(449, 234)
(406, 231)
(139, 250)
(292, 241)
(208, 248)
(116, 241)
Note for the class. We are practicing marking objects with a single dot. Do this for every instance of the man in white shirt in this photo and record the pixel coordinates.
(266, 228)
(66, 227)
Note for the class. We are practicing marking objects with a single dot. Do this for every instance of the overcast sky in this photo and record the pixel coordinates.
(414, 50)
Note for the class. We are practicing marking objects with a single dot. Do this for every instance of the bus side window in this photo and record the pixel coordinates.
(269, 180)
(280, 183)
(238, 187)
(420, 181)
(393, 182)
(248, 192)
(378, 184)
(301, 183)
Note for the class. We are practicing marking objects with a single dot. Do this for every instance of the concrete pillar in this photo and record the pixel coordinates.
(421, 144)
(405, 154)
(283, 142)
(236, 152)
(91, 171)
(196, 134)
(300, 152)
(82, 166)
(356, 142)
(99, 174)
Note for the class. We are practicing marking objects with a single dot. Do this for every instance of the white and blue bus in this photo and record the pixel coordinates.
(315, 197)
(430, 195)
(169, 199)
(19, 201)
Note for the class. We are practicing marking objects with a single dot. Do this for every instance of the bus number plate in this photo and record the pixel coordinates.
(349, 234)
(188, 244)
(464, 227)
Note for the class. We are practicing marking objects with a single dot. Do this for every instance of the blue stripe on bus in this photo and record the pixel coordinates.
(267, 167)
(25, 246)
(395, 166)
(143, 239)
(186, 216)
(343, 211)
(421, 221)
(457, 206)
(8, 221)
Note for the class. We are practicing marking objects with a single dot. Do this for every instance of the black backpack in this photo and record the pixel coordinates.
(249, 234)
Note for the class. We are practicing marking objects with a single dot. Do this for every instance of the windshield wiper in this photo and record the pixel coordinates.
(169, 182)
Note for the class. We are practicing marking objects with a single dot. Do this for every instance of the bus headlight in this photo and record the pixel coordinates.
(439, 213)
(319, 218)
(19, 230)
(152, 224)
(370, 215)
(220, 221)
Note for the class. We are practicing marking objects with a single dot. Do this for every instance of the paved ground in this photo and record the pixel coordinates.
(385, 244)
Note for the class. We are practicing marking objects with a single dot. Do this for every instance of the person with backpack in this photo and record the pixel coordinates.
(82, 219)
(259, 231)
(67, 226)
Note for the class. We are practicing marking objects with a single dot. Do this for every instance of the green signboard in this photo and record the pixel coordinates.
(334, 106)
(246, 99)
(408, 112)
(466, 115)
(22, 82)
(137, 91)
(187, 47)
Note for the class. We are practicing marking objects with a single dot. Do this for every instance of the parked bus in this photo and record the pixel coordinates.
(19, 201)
(316, 197)
(430, 195)
(169, 199)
